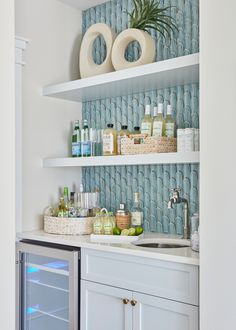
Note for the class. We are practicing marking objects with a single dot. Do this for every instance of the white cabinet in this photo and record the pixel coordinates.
(156, 313)
(160, 295)
(103, 308)
(108, 308)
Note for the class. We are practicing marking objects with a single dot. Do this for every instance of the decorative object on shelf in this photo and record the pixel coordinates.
(143, 144)
(68, 226)
(88, 67)
(147, 14)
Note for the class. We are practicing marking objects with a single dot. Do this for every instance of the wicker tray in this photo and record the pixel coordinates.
(68, 226)
(143, 144)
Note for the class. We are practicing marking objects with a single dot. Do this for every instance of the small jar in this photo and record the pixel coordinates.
(195, 232)
(108, 224)
(123, 217)
(109, 141)
(98, 224)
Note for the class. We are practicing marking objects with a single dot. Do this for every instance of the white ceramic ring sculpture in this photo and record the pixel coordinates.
(88, 67)
(122, 41)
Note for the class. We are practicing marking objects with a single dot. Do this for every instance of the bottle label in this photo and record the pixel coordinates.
(86, 149)
(108, 227)
(108, 143)
(76, 149)
(170, 130)
(97, 228)
(136, 218)
(157, 128)
(146, 128)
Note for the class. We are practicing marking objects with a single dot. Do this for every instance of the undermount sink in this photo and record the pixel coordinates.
(160, 245)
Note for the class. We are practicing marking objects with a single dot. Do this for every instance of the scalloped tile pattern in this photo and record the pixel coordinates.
(117, 184)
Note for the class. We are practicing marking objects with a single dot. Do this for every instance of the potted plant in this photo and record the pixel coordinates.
(147, 14)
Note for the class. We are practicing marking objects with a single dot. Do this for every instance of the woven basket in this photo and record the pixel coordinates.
(143, 144)
(68, 226)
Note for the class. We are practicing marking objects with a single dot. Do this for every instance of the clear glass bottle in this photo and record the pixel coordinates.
(109, 140)
(76, 140)
(72, 206)
(169, 123)
(146, 124)
(136, 212)
(123, 132)
(158, 121)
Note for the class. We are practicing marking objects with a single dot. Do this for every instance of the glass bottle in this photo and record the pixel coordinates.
(85, 143)
(169, 123)
(66, 202)
(158, 121)
(62, 209)
(109, 140)
(76, 140)
(123, 132)
(146, 124)
(136, 212)
(72, 207)
(136, 130)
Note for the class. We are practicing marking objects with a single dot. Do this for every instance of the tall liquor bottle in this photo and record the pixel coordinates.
(136, 212)
(76, 140)
(158, 121)
(146, 124)
(169, 123)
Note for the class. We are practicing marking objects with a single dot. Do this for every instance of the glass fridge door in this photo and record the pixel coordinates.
(48, 288)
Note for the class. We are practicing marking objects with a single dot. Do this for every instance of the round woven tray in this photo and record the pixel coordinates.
(68, 226)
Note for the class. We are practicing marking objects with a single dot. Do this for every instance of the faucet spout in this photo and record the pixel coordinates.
(176, 199)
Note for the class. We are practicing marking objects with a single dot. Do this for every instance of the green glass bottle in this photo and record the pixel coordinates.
(76, 140)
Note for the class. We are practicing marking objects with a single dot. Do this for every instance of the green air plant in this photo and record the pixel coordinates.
(148, 14)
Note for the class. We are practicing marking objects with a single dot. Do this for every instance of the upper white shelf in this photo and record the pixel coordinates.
(83, 4)
(173, 72)
(148, 159)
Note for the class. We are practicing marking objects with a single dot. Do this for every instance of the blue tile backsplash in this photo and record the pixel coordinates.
(118, 183)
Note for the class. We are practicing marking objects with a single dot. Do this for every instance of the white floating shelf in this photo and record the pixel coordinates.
(169, 73)
(83, 4)
(147, 159)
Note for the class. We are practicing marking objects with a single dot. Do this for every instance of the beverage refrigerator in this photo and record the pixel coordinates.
(47, 287)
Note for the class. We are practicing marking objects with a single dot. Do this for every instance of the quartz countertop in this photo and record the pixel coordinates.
(183, 255)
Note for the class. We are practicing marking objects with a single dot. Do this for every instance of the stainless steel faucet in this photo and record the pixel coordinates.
(176, 199)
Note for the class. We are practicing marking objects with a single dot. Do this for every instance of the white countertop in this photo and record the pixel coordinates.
(180, 255)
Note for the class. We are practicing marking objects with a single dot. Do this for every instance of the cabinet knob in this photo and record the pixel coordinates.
(133, 302)
(125, 301)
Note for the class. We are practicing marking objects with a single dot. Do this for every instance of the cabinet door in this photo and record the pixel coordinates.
(151, 313)
(103, 308)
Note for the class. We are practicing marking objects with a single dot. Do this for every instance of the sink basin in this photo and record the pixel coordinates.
(160, 245)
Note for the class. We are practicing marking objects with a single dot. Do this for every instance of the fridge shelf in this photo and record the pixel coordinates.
(47, 269)
(47, 285)
(57, 314)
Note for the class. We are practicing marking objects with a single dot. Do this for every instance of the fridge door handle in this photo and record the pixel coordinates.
(19, 262)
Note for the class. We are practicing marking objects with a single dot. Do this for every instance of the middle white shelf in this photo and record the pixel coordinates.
(144, 159)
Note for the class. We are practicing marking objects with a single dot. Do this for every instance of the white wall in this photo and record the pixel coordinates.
(7, 166)
(54, 32)
(218, 164)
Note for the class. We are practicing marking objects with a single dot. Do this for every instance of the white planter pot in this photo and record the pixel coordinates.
(122, 41)
(88, 67)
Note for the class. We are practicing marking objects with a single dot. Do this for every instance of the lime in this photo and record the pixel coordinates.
(132, 232)
(116, 231)
(138, 231)
(125, 232)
